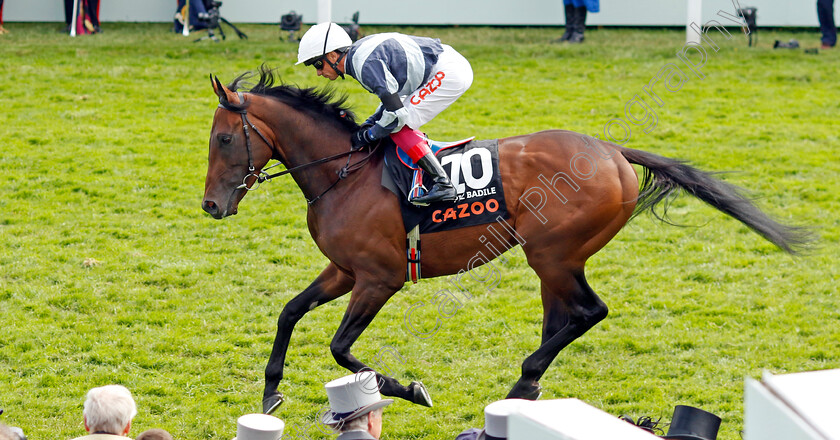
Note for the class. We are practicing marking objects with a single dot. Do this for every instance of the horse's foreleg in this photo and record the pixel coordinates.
(570, 308)
(365, 303)
(330, 284)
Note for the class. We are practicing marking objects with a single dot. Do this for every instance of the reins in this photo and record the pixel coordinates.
(345, 171)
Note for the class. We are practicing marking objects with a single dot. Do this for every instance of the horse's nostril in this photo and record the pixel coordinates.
(210, 207)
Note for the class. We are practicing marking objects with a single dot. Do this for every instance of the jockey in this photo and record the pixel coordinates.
(415, 78)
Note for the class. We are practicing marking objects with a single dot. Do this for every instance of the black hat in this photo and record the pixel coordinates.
(691, 423)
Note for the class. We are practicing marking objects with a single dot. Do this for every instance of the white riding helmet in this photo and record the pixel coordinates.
(322, 39)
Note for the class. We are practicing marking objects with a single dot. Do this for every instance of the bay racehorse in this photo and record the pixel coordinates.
(567, 195)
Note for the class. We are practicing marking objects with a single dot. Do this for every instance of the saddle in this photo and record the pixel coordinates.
(473, 168)
(435, 146)
(417, 189)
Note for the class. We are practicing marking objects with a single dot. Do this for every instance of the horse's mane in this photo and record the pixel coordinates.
(325, 103)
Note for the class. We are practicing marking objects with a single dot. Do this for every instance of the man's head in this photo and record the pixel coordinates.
(323, 46)
(331, 65)
(154, 434)
(370, 422)
(355, 404)
(9, 433)
(109, 410)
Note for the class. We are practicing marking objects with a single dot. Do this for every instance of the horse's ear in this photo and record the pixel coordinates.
(222, 92)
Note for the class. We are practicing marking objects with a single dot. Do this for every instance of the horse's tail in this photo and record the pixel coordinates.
(664, 177)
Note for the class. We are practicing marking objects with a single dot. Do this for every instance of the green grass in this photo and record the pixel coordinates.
(104, 154)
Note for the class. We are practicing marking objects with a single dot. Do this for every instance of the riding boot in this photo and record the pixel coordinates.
(442, 191)
(579, 25)
(570, 15)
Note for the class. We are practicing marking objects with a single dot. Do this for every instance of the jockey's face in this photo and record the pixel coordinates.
(326, 70)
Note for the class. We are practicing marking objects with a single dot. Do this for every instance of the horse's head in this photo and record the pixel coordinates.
(238, 151)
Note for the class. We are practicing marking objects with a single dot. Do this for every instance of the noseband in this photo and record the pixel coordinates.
(263, 176)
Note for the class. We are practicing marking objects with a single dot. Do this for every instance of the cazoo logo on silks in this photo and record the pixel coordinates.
(428, 89)
(470, 172)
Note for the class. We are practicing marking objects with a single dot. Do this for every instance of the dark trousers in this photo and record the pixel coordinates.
(825, 12)
(92, 11)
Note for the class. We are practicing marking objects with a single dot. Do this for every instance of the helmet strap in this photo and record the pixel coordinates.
(335, 64)
(324, 51)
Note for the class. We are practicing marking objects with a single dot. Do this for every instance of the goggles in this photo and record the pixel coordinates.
(317, 63)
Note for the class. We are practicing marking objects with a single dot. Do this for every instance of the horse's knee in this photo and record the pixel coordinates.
(591, 309)
(587, 317)
(576, 320)
(597, 313)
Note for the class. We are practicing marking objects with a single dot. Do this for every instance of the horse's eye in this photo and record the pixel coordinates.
(225, 139)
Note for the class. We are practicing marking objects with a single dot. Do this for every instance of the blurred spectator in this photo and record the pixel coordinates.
(355, 407)
(108, 412)
(154, 434)
(196, 9)
(825, 12)
(90, 12)
(2, 29)
(576, 19)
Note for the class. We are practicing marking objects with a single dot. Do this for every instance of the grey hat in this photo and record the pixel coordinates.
(259, 427)
(353, 396)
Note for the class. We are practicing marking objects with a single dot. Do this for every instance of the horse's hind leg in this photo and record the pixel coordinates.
(330, 284)
(570, 308)
(365, 303)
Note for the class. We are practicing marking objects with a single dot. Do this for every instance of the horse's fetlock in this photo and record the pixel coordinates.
(340, 353)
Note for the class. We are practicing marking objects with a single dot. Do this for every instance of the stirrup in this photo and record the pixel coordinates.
(420, 204)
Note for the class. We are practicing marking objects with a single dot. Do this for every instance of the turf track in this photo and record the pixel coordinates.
(111, 273)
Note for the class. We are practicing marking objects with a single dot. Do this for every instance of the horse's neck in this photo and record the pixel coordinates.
(304, 141)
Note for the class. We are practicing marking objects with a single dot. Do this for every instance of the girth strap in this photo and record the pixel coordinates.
(412, 272)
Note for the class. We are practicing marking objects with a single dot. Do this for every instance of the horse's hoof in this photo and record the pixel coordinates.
(272, 402)
(421, 395)
(533, 391)
(534, 394)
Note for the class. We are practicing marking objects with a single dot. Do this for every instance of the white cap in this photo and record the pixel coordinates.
(353, 396)
(259, 427)
(496, 416)
(322, 39)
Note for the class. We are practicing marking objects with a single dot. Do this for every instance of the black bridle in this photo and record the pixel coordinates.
(263, 176)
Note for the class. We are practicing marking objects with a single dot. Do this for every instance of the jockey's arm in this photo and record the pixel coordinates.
(390, 116)
(370, 121)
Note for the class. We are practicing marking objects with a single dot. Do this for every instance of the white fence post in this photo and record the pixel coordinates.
(324, 11)
(695, 15)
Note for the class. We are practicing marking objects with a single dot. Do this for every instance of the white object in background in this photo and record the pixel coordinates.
(798, 406)
(324, 11)
(695, 15)
(186, 10)
(75, 18)
(259, 427)
(570, 419)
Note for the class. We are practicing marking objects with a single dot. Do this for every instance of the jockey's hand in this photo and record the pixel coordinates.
(361, 138)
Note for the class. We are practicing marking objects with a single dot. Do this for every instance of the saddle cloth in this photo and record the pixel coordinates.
(473, 168)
